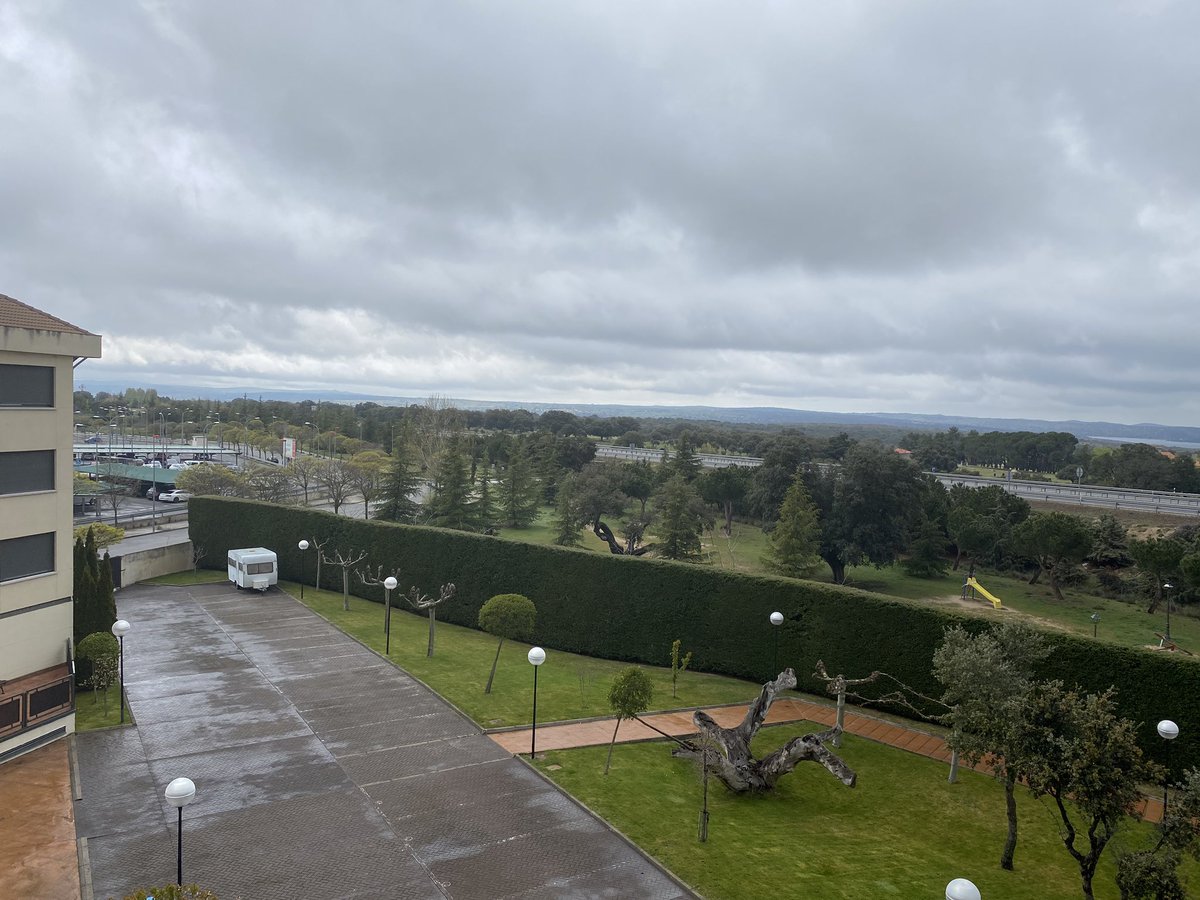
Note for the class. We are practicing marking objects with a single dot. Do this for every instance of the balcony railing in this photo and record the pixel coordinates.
(29, 701)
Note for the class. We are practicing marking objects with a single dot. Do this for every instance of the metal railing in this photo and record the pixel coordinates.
(28, 702)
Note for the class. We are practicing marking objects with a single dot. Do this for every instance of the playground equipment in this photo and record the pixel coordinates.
(972, 585)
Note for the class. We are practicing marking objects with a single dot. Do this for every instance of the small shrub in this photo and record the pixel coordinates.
(172, 892)
(101, 652)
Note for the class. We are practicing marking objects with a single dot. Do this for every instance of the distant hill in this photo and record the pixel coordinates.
(1145, 432)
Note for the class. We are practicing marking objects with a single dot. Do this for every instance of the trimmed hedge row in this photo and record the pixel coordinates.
(632, 609)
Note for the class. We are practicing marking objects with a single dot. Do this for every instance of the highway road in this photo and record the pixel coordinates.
(1087, 495)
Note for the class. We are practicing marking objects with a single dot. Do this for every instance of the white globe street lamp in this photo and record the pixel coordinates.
(536, 657)
(389, 585)
(961, 889)
(303, 545)
(179, 794)
(1168, 731)
(776, 620)
(120, 628)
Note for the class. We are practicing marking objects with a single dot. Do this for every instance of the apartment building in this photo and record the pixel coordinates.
(38, 353)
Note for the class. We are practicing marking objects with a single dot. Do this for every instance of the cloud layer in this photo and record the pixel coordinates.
(929, 206)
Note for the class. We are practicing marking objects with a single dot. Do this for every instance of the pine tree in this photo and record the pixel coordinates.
(485, 508)
(450, 505)
(519, 490)
(684, 461)
(566, 515)
(682, 516)
(401, 484)
(793, 545)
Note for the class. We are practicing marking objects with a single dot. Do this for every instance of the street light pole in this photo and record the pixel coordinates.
(1168, 731)
(179, 794)
(389, 585)
(303, 545)
(1167, 592)
(776, 620)
(536, 657)
(120, 628)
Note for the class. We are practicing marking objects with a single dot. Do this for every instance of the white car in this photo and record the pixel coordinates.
(174, 496)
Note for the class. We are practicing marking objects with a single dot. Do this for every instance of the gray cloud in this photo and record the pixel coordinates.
(933, 207)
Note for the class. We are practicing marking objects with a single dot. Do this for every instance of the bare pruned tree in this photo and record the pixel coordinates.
(423, 601)
(319, 546)
(334, 476)
(837, 686)
(303, 472)
(377, 580)
(345, 561)
(198, 554)
(734, 763)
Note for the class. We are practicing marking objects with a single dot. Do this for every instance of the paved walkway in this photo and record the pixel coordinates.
(37, 853)
(321, 770)
(595, 732)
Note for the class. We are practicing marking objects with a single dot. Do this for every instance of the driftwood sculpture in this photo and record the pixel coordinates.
(735, 765)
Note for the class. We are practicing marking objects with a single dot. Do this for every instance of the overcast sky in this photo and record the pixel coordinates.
(944, 207)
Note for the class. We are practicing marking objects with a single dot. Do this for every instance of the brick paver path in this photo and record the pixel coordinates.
(321, 771)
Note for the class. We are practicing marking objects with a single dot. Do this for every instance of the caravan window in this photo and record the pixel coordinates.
(260, 568)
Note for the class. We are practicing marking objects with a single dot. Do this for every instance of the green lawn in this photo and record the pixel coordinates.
(90, 712)
(569, 686)
(903, 832)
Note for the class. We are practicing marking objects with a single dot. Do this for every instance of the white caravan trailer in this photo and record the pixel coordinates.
(254, 567)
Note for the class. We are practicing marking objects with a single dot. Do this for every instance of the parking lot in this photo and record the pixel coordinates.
(321, 771)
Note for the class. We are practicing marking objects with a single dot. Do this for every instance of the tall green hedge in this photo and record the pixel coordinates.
(632, 609)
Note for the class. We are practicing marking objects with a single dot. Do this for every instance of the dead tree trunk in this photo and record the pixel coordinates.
(602, 531)
(735, 765)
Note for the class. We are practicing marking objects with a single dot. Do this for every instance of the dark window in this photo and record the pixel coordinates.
(27, 386)
(260, 568)
(25, 471)
(23, 556)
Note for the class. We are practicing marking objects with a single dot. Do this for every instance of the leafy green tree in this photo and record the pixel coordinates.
(103, 535)
(987, 680)
(598, 492)
(792, 546)
(1159, 558)
(101, 651)
(865, 509)
(1153, 874)
(980, 521)
(1085, 758)
(210, 481)
(628, 698)
(93, 603)
(1054, 541)
(365, 473)
(725, 488)
(682, 516)
(507, 616)
(1110, 543)
(401, 485)
(485, 506)
(637, 481)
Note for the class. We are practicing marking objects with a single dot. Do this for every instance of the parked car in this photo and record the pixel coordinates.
(174, 496)
(154, 492)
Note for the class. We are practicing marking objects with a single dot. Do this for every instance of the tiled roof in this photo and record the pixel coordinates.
(15, 314)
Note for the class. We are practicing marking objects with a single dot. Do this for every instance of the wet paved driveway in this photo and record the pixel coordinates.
(321, 771)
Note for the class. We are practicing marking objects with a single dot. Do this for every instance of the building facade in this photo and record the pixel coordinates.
(38, 353)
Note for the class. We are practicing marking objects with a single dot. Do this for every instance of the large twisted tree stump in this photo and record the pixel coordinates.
(735, 765)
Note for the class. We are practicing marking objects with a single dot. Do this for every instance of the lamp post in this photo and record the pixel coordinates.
(179, 794)
(303, 545)
(1168, 731)
(536, 657)
(776, 620)
(961, 889)
(389, 585)
(1167, 594)
(120, 628)
(1095, 623)
(316, 438)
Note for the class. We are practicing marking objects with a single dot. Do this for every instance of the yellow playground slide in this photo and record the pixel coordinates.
(972, 583)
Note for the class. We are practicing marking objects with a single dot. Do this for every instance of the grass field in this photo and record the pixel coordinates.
(569, 686)
(90, 710)
(903, 832)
